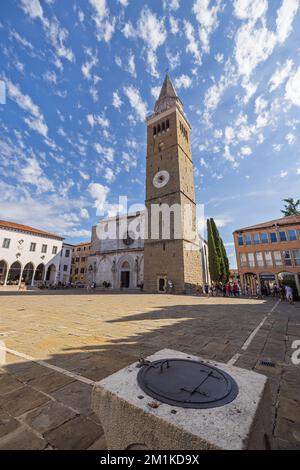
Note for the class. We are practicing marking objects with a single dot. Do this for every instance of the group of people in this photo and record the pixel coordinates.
(219, 289)
(234, 289)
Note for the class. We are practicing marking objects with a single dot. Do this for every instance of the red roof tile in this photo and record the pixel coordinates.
(27, 228)
(291, 219)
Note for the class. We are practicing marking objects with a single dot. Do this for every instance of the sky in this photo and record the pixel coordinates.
(81, 76)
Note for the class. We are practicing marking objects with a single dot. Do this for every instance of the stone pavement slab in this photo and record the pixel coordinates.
(95, 335)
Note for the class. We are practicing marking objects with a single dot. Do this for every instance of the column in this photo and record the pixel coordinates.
(6, 275)
(297, 283)
(20, 280)
(33, 275)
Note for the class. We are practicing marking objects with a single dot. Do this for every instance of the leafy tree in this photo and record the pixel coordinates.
(213, 258)
(291, 207)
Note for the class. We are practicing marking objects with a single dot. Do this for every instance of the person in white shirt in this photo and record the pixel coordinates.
(289, 294)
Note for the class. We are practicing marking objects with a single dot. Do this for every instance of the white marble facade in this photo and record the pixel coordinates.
(117, 252)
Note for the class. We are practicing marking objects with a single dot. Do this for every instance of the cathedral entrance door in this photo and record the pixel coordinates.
(125, 279)
(162, 284)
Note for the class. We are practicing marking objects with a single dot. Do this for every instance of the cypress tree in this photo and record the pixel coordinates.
(226, 263)
(213, 258)
(220, 248)
(217, 240)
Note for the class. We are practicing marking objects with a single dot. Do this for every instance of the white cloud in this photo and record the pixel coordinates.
(171, 4)
(50, 76)
(99, 193)
(35, 120)
(109, 175)
(219, 58)
(33, 174)
(285, 18)
(84, 176)
(255, 44)
(131, 65)
(229, 134)
(84, 213)
(32, 8)
(283, 174)
(246, 151)
(174, 25)
(155, 91)
(207, 19)
(252, 47)
(292, 90)
(280, 75)
(260, 105)
(174, 60)
(124, 3)
(136, 102)
(192, 46)
(105, 26)
(250, 9)
(87, 67)
(108, 152)
(117, 102)
(184, 81)
(152, 31)
(55, 33)
(128, 161)
(290, 138)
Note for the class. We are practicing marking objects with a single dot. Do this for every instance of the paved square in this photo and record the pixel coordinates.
(59, 344)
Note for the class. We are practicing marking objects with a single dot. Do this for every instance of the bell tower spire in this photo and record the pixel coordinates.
(167, 97)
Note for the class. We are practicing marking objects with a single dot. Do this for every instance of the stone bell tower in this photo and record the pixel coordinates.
(172, 251)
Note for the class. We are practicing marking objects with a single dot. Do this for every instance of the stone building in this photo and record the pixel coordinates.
(80, 255)
(173, 256)
(28, 255)
(117, 253)
(117, 258)
(269, 252)
(65, 263)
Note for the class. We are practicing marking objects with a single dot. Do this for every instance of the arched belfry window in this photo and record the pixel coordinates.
(158, 128)
(163, 126)
(154, 130)
(168, 124)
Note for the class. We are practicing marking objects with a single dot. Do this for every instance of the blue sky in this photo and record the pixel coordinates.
(82, 75)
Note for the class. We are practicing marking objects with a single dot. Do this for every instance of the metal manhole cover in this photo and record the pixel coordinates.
(187, 383)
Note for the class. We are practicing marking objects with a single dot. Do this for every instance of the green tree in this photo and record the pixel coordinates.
(213, 258)
(291, 207)
(217, 240)
(226, 263)
(221, 252)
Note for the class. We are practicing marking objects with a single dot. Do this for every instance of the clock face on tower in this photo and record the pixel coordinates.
(161, 179)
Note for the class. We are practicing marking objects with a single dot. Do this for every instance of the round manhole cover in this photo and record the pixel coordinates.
(187, 384)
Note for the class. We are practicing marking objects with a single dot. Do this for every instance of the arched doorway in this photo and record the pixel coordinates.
(3, 271)
(27, 274)
(14, 274)
(250, 283)
(39, 273)
(267, 282)
(125, 275)
(51, 274)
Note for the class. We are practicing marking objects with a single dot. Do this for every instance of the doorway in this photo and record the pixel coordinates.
(162, 284)
(125, 279)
